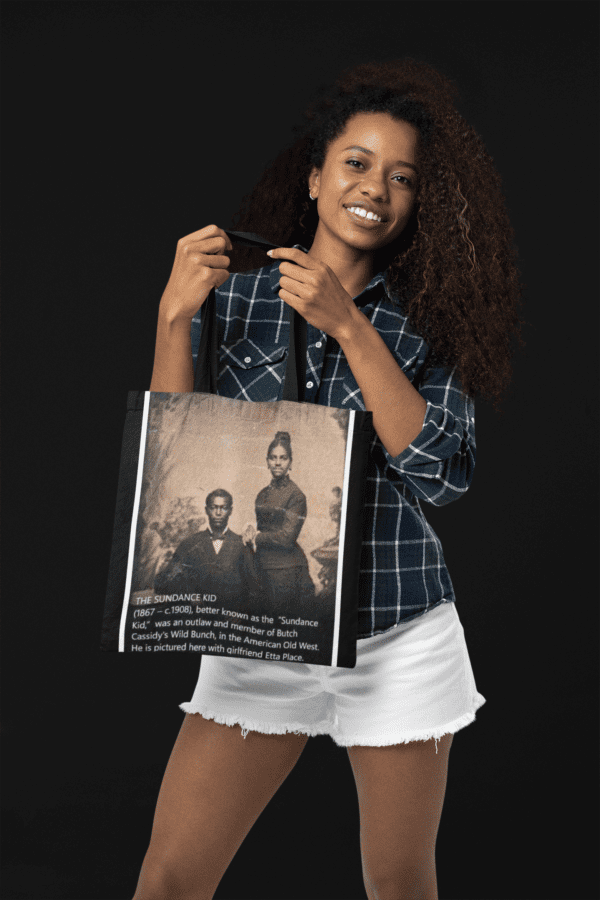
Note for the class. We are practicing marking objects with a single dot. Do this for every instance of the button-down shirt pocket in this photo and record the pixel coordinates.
(248, 371)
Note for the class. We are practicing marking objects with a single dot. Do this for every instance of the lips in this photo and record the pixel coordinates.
(367, 208)
(362, 222)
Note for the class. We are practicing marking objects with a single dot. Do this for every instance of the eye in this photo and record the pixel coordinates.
(407, 180)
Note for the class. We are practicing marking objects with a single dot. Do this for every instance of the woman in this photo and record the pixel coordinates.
(400, 260)
(280, 514)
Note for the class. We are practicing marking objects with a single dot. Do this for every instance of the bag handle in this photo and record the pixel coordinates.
(205, 376)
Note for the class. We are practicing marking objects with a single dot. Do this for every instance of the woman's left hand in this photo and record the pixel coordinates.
(312, 288)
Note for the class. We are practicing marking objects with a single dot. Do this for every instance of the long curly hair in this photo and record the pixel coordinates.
(453, 270)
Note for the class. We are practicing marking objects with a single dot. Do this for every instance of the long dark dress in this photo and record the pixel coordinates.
(281, 563)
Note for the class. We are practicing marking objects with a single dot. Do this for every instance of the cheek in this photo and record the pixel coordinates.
(339, 183)
(403, 215)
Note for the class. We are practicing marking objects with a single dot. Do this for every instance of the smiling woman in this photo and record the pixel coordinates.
(395, 247)
(453, 268)
(371, 186)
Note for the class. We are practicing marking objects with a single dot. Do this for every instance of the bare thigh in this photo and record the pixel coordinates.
(215, 786)
(401, 792)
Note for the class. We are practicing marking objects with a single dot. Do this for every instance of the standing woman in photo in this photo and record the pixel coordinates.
(280, 514)
(394, 243)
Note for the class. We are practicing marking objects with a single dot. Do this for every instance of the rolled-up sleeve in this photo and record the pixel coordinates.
(438, 465)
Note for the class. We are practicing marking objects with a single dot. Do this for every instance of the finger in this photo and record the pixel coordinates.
(212, 236)
(293, 253)
(290, 299)
(214, 245)
(217, 262)
(295, 287)
(294, 271)
(211, 262)
(211, 231)
(200, 249)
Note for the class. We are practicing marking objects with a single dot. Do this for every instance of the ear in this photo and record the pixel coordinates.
(313, 180)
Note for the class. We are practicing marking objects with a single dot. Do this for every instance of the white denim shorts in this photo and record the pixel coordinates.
(412, 683)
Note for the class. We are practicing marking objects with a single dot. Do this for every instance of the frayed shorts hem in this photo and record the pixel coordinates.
(262, 727)
(328, 728)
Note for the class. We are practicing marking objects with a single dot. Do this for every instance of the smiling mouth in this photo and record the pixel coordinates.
(362, 220)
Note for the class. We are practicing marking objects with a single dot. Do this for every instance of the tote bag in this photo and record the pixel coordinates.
(217, 547)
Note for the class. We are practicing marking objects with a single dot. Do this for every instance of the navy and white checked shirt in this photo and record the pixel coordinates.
(402, 572)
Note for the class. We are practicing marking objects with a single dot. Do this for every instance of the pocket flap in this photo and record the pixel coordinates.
(246, 354)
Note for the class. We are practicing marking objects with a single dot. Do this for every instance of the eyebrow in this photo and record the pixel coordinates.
(399, 162)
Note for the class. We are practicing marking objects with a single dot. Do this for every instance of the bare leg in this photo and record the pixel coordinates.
(401, 792)
(215, 786)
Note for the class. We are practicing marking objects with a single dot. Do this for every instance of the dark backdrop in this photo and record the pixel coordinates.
(129, 125)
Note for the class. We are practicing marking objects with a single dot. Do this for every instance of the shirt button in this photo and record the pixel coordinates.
(248, 359)
(319, 344)
(309, 384)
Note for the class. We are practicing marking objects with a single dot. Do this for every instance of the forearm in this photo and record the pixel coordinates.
(272, 539)
(284, 537)
(398, 408)
(173, 370)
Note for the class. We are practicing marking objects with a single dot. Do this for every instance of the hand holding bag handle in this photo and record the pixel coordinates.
(205, 378)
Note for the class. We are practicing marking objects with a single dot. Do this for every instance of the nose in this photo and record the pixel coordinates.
(374, 185)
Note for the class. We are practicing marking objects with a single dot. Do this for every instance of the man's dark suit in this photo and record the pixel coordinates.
(197, 568)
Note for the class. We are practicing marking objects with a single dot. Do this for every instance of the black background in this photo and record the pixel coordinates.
(129, 125)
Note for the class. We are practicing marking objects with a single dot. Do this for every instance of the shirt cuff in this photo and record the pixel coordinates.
(432, 422)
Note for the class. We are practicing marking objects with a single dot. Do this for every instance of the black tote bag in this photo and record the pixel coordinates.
(180, 579)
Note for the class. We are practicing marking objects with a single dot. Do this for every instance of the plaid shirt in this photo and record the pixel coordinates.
(402, 572)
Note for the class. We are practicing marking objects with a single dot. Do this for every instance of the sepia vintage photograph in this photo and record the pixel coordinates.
(239, 507)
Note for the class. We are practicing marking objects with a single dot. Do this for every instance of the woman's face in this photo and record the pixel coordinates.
(278, 462)
(371, 165)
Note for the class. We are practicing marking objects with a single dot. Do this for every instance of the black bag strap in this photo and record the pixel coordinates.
(205, 376)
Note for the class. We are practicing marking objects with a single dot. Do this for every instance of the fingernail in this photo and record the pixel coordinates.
(269, 252)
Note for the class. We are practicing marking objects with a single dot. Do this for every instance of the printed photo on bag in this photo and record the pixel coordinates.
(237, 531)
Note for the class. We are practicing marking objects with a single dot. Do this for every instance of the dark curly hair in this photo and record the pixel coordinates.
(453, 269)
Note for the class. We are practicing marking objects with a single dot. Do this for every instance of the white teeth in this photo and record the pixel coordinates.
(364, 215)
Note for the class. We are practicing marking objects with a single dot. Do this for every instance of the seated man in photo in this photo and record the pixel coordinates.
(212, 561)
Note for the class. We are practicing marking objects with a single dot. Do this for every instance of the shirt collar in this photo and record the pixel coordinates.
(208, 528)
(281, 482)
(375, 288)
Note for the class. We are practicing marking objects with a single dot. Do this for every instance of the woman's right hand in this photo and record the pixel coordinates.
(199, 266)
(248, 533)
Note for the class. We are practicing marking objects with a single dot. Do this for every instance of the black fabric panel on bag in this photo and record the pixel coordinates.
(119, 554)
(205, 376)
(357, 488)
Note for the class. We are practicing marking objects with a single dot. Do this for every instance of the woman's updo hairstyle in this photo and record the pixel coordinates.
(281, 439)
